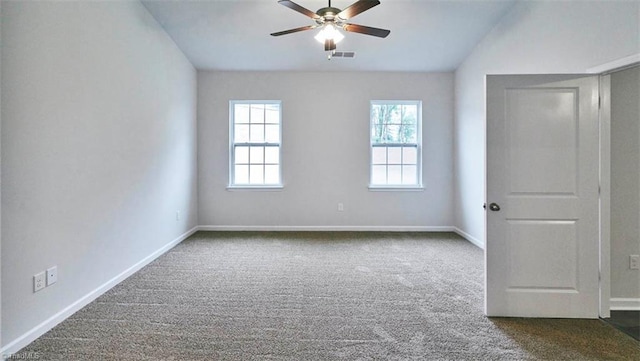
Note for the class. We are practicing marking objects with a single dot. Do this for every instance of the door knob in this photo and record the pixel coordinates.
(494, 207)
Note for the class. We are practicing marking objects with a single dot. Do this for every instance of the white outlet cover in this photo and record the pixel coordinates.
(52, 275)
(38, 282)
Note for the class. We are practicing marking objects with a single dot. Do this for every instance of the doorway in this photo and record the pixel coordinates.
(607, 265)
(624, 110)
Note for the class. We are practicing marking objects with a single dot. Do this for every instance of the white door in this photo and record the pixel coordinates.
(542, 196)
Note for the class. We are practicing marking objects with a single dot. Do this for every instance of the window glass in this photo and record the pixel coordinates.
(395, 143)
(255, 143)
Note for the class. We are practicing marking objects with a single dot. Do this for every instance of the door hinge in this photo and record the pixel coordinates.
(599, 102)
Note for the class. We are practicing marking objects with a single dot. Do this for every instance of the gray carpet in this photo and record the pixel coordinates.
(317, 296)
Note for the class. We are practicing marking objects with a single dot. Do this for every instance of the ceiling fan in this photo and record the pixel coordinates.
(330, 19)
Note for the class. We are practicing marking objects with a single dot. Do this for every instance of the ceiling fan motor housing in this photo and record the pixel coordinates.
(328, 13)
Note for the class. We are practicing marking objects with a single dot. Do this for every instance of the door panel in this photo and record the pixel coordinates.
(532, 112)
(542, 170)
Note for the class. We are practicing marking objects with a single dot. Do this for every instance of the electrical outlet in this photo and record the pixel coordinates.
(52, 275)
(38, 282)
(340, 207)
(634, 261)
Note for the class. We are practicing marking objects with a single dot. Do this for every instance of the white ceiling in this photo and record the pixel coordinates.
(426, 35)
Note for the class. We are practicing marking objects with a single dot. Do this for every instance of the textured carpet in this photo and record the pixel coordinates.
(317, 296)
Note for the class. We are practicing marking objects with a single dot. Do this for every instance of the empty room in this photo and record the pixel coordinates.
(319, 180)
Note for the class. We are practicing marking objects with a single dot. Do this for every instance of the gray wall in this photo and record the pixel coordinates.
(625, 181)
(534, 37)
(98, 149)
(325, 151)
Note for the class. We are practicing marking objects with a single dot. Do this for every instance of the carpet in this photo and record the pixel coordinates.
(317, 296)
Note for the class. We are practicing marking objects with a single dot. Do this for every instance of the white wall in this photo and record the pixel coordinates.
(98, 150)
(325, 151)
(534, 37)
(625, 182)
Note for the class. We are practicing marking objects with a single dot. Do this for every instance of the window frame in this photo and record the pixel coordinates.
(418, 186)
(233, 144)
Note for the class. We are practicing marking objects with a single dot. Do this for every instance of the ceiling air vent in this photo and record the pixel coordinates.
(342, 54)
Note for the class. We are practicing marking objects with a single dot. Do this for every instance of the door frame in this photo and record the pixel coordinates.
(604, 114)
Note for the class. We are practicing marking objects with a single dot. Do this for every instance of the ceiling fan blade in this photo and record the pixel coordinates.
(357, 8)
(291, 31)
(302, 10)
(367, 30)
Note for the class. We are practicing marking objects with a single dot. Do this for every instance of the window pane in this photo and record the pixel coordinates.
(409, 134)
(241, 173)
(257, 113)
(255, 143)
(396, 125)
(272, 155)
(241, 133)
(257, 133)
(395, 174)
(409, 174)
(256, 155)
(395, 115)
(377, 133)
(379, 174)
(272, 134)
(272, 174)
(256, 174)
(242, 155)
(241, 113)
(410, 114)
(395, 154)
(272, 113)
(379, 155)
(375, 113)
(393, 133)
(410, 155)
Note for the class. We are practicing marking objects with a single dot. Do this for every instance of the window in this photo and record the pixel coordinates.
(396, 144)
(254, 144)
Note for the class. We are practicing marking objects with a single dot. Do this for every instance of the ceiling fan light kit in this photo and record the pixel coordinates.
(331, 19)
(329, 32)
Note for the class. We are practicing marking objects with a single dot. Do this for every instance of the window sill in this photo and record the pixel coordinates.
(396, 188)
(256, 188)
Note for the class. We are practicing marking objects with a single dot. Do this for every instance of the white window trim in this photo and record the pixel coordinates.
(398, 187)
(265, 187)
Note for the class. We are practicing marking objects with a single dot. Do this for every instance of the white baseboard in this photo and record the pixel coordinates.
(326, 228)
(14, 346)
(478, 243)
(625, 304)
(236, 228)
